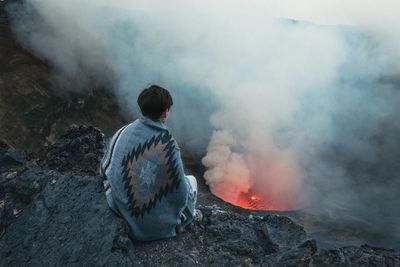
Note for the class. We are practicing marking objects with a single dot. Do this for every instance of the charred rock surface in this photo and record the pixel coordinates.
(66, 224)
(79, 151)
(56, 214)
(9, 156)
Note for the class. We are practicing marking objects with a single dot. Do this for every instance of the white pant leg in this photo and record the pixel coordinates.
(193, 183)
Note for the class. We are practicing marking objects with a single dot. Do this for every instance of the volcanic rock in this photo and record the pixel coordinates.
(57, 215)
(9, 156)
(79, 151)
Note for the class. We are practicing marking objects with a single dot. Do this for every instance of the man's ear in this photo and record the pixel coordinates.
(165, 114)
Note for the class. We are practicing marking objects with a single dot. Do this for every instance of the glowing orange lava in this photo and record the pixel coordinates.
(253, 201)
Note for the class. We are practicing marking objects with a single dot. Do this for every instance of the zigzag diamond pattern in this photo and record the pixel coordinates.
(172, 172)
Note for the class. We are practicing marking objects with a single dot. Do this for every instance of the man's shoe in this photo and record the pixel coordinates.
(198, 215)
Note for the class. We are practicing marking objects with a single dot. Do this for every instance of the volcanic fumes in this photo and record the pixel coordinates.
(257, 179)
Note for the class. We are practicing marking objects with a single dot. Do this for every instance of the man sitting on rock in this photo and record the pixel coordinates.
(144, 173)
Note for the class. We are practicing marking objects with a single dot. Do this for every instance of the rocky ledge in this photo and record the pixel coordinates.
(53, 212)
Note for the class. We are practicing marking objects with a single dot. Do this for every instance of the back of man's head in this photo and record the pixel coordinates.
(153, 101)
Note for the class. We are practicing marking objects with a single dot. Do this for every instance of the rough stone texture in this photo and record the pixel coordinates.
(52, 218)
(79, 150)
(18, 189)
(284, 232)
(13, 189)
(9, 156)
(68, 224)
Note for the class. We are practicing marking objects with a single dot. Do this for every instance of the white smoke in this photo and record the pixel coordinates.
(301, 95)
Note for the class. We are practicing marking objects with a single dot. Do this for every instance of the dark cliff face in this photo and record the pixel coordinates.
(54, 214)
(33, 111)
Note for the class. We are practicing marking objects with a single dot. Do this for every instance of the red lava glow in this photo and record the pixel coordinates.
(253, 201)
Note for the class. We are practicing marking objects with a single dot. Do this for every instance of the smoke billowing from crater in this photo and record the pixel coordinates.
(298, 113)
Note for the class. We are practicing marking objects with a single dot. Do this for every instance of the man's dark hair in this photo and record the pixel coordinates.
(153, 101)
